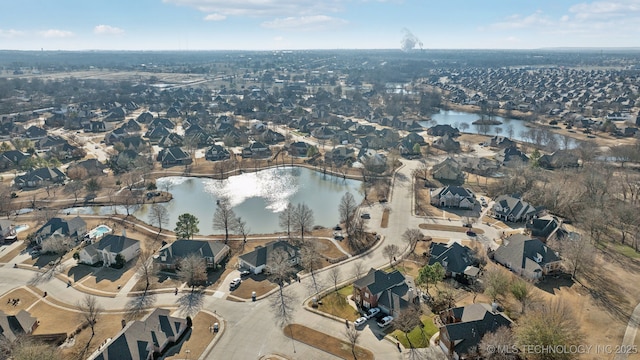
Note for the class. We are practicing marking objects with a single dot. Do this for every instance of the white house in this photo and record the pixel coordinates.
(108, 248)
(256, 261)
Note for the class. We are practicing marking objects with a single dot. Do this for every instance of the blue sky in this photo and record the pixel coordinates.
(316, 24)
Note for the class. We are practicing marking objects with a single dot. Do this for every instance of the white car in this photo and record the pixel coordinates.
(372, 312)
(360, 321)
(385, 321)
(234, 283)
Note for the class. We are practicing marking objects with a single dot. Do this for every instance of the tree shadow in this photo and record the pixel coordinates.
(191, 302)
(80, 271)
(137, 306)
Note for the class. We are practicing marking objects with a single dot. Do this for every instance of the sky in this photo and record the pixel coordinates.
(316, 24)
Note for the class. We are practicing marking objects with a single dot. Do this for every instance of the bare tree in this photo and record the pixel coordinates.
(278, 271)
(74, 188)
(498, 345)
(303, 219)
(311, 260)
(334, 276)
(358, 269)
(552, 324)
(353, 336)
(411, 237)
(407, 320)
(90, 310)
(390, 252)
(240, 227)
(192, 269)
(159, 215)
(27, 348)
(145, 268)
(286, 218)
(577, 253)
(496, 283)
(56, 244)
(347, 210)
(77, 173)
(224, 218)
(524, 292)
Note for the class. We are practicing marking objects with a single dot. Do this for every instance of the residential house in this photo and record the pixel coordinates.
(512, 208)
(213, 252)
(48, 142)
(172, 139)
(14, 326)
(374, 161)
(35, 133)
(174, 156)
(464, 327)
(161, 122)
(559, 159)
(108, 248)
(391, 292)
(453, 196)
(12, 159)
(217, 153)
(154, 135)
(448, 170)
(75, 228)
(442, 130)
(40, 177)
(544, 227)
(502, 142)
(271, 137)
(7, 231)
(447, 143)
(407, 146)
(257, 260)
(256, 149)
(527, 257)
(339, 155)
(144, 339)
(511, 156)
(95, 126)
(457, 260)
(323, 133)
(299, 149)
(479, 166)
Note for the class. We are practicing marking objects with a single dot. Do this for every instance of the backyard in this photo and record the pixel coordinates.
(336, 304)
(419, 336)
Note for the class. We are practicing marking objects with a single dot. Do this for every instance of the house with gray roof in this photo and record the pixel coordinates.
(75, 228)
(527, 257)
(544, 227)
(40, 177)
(559, 159)
(174, 156)
(108, 248)
(217, 153)
(457, 260)
(464, 327)
(512, 208)
(12, 159)
(448, 170)
(144, 339)
(7, 231)
(511, 156)
(14, 326)
(391, 292)
(452, 196)
(257, 260)
(213, 252)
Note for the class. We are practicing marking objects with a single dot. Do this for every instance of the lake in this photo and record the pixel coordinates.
(256, 197)
(455, 118)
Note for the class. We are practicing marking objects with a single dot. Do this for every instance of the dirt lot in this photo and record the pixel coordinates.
(325, 342)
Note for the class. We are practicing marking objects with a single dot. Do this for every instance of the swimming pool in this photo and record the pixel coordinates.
(21, 227)
(99, 231)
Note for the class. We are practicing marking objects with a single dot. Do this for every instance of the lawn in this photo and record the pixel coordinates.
(326, 343)
(418, 340)
(440, 227)
(385, 218)
(27, 298)
(8, 256)
(625, 250)
(335, 303)
(257, 283)
(192, 346)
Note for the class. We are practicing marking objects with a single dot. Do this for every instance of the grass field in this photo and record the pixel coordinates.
(335, 303)
(419, 336)
(326, 343)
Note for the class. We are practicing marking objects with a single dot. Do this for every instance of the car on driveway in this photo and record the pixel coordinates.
(385, 321)
(365, 216)
(372, 312)
(245, 273)
(235, 283)
(360, 321)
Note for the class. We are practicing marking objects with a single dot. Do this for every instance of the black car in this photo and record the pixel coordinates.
(471, 233)
(245, 273)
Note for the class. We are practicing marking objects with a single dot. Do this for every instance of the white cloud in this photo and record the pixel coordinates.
(215, 17)
(605, 9)
(305, 23)
(518, 21)
(263, 8)
(278, 38)
(107, 30)
(56, 33)
(10, 33)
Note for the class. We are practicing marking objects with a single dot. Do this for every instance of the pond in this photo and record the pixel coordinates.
(256, 197)
(519, 128)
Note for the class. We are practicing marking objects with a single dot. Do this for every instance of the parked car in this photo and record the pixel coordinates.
(245, 273)
(365, 216)
(471, 233)
(360, 321)
(386, 321)
(372, 312)
(235, 283)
